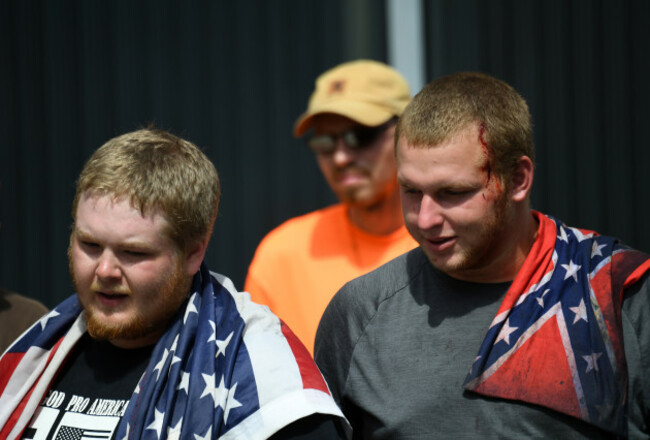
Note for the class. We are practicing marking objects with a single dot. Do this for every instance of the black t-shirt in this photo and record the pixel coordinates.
(313, 427)
(90, 393)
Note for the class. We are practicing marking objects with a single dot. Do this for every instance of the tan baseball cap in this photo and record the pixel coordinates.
(366, 91)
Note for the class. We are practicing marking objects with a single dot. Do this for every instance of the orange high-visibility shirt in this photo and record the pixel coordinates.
(301, 264)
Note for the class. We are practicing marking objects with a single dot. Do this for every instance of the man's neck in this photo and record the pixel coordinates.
(516, 241)
(381, 218)
(524, 232)
(528, 235)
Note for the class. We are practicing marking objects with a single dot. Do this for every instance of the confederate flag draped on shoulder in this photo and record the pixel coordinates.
(557, 339)
(225, 368)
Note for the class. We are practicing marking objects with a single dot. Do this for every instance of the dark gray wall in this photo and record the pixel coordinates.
(233, 76)
(583, 67)
(230, 76)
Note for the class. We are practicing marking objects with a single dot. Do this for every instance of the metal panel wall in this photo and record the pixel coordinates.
(583, 67)
(231, 76)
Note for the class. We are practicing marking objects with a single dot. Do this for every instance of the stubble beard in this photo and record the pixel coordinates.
(356, 195)
(487, 239)
(368, 198)
(170, 296)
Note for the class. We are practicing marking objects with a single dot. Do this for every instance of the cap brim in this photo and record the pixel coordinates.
(361, 112)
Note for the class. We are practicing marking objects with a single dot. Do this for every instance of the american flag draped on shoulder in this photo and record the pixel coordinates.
(226, 368)
(557, 339)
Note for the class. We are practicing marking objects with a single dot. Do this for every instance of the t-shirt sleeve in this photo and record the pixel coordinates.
(342, 326)
(636, 334)
(332, 351)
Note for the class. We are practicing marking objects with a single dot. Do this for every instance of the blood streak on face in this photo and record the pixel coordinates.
(489, 160)
(461, 220)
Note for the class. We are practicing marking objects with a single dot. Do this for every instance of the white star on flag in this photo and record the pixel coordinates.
(580, 236)
(209, 386)
(175, 359)
(563, 235)
(47, 317)
(159, 366)
(222, 396)
(213, 336)
(191, 308)
(232, 403)
(596, 249)
(157, 423)
(540, 300)
(221, 393)
(185, 382)
(592, 361)
(218, 394)
(207, 436)
(222, 345)
(174, 432)
(504, 334)
(128, 428)
(580, 311)
(571, 270)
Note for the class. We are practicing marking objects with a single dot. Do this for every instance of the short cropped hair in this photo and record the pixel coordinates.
(451, 103)
(158, 173)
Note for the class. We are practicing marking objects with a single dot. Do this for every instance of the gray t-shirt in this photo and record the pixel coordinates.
(396, 345)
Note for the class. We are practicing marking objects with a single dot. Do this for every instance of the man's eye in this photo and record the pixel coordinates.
(457, 192)
(133, 253)
(89, 244)
(407, 190)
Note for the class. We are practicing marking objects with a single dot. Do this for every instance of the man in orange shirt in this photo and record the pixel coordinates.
(299, 266)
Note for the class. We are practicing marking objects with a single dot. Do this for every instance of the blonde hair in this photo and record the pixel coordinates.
(449, 104)
(158, 173)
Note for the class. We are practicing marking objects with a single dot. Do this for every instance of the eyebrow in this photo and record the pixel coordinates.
(131, 244)
(401, 179)
(82, 235)
(463, 184)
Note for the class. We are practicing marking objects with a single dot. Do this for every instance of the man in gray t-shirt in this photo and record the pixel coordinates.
(504, 322)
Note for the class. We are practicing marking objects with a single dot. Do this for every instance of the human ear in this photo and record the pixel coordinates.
(194, 256)
(522, 179)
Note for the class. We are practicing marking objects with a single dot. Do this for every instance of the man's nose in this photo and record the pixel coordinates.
(342, 155)
(430, 214)
(108, 266)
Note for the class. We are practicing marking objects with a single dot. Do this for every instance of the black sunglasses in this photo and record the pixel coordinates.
(356, 138)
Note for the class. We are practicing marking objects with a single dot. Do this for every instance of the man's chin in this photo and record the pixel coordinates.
(448, 264)
(102, 328)
(360, 199)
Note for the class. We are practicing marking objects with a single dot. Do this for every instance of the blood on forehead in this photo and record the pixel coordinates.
(488, 153)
